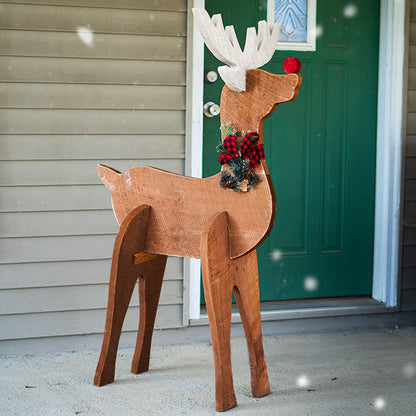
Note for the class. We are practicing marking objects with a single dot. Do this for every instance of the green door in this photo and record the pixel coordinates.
(320, 151)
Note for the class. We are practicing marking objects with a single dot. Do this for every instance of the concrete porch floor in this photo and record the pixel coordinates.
(351, 373)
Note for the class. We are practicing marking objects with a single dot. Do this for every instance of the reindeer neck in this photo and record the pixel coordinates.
(240, 115)
(237, 110)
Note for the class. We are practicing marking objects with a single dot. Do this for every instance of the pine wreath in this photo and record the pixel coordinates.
(240, 158)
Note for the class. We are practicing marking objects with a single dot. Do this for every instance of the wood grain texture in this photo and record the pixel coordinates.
(264, 92)
(143, 257)
(218, 286)
(150, 283)
(221, 277)
(124, 274)
(197, 218)
(181, 206)
(193, 201)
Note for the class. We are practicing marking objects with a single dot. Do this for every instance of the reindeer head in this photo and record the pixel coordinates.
(250, 94)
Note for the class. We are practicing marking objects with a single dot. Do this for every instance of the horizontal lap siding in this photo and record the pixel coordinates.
(43, 121)
(69, 45)
(92, 71)
(408, 279)
(78, 322)
(66, 105)
(69, 298)
(170, 5)
(70, 172)
(68, 273)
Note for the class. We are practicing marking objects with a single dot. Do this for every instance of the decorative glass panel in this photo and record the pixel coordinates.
(297, 23)
(291, 14)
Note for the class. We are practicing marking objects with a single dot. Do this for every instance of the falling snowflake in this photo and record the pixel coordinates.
(86, 35)
(276, 255)
(303, 381)
(409, 370)
(379, 403)
(319, 31)
(350, 10)
(310, 283)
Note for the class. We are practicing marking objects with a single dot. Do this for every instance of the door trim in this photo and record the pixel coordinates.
(193, 151)
(389, 152)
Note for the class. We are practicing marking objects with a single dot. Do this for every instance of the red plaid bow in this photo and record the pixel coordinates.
(249, 149)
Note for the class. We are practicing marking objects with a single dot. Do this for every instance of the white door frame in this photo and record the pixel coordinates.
(389, 152)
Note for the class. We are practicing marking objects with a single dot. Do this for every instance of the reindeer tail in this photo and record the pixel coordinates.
(109, 176)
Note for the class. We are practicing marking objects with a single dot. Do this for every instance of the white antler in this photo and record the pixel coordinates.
(258, 49)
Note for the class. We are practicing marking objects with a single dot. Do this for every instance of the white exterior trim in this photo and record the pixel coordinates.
(193, 266)
(389, 149)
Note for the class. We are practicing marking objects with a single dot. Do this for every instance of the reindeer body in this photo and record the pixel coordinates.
(182, 205)
(162, 213)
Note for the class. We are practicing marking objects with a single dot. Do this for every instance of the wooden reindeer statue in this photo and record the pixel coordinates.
(162, 213)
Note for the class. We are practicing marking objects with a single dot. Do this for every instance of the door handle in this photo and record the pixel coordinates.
(211, 109)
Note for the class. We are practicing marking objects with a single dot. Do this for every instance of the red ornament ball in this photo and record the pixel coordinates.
(291, 65)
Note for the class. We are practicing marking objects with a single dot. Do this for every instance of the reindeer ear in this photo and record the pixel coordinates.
(109, 176)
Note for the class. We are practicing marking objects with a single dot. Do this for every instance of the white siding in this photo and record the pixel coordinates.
(64, 107)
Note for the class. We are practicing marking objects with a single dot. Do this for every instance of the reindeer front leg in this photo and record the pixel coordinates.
(218, 286)
(123, 277)
(247, 296)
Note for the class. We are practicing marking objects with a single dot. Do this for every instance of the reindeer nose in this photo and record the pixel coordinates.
(291, 65)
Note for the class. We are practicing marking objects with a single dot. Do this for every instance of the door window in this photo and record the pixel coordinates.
(297, 19)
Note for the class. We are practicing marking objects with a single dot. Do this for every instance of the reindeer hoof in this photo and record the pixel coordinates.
(103, 379)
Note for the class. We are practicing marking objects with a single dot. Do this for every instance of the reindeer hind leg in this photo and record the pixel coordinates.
(150, 284)
(123, 277)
